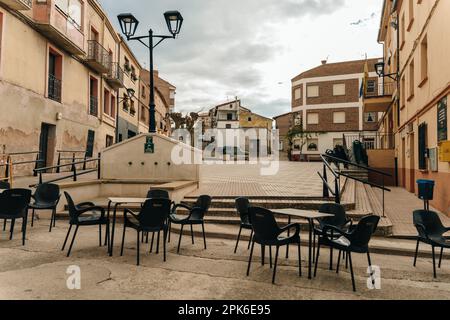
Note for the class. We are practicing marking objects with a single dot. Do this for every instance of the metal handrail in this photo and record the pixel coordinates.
(335, 174)
(74, 173)
(357, 165)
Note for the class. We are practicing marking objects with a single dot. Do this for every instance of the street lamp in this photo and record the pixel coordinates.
(128, 25)
(379, 68)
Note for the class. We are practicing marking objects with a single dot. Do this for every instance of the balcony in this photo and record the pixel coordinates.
(93, 106)
(379, 98)
(18, 4)
(115, 76)
(98, 57)
(59, 27)
(54, 88)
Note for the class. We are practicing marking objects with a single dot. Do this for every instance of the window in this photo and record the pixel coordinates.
(106, 102)
(229, 116)
(370, 117)
(411, 79)
(422, 146)
(143, 91)
(126, 65)
(313, 145)
(297, 94)
(90, 144)
(402, 91)
(371, 84)
(313, 118)
(132, 108)
(113, 106)
(339, 89)
(339, 117)
(312, 91)
(93, 96)
(411, 14)
(73, 9)
(402, 31)
(126, 102)
(228, 126)
(54, 75)
(109, 141)
(424, 59)
(249, 119)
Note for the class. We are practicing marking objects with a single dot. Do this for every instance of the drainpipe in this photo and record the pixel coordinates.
(118, 93)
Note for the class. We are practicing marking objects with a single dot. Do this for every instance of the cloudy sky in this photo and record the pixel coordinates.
(251, 48)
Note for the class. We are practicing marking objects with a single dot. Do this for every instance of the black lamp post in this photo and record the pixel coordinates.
(129, 24)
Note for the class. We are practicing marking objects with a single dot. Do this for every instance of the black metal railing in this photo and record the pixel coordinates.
(74, 174)
(54, 88)
(9, 165)
(115, 73)
(381, 89)
(337, 173)
(371, 141)
(73, 156)
(28, 3)
(97, 53)
(93, 106)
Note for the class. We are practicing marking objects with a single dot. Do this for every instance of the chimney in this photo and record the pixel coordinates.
(324, 62)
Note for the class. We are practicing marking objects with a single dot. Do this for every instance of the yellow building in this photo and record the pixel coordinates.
(416, 49)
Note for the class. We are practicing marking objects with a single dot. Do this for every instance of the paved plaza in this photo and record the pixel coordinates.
(291, 179)
(38, 271)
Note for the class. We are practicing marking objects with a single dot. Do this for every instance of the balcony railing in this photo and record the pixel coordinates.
(54, 88)
(98, 57)
(371, 141)
(115, 76)
(93, 106)
(18, 4)
(381, 90)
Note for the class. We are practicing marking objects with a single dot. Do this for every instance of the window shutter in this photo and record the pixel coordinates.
(422, 146)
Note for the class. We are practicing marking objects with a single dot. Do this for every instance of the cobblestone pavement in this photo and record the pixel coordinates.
(292, 179)
(39, 271)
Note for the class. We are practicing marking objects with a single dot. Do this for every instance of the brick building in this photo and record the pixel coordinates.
(327, 101)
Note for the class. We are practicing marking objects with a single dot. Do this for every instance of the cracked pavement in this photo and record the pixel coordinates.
(38, 271)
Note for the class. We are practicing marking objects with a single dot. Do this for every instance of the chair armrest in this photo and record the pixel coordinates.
(182, 205)
(421, 228)
(348, 222)
(86, 204)
(126, 211)
(334, 230)
(93, 208)
(290, 226)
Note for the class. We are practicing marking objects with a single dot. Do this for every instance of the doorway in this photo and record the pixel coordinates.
(47, 143)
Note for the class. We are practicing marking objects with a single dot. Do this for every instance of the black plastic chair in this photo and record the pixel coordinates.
(242, 205)
(78, 217)
(195, 217)
(357, 240)
(14, 205)
(339, 220)
(152, 218)
(155, 194)
(46, 197)
(4, 186)
(268, 233)
(431, 231)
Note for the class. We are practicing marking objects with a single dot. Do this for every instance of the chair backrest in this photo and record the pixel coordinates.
(4, 185)
(158, 193)
(264, 223)
(339, 218)
(154, 212)
(72, 208)
(203, 202)
(363, 232)
(47, 192)
(14, 202)
(430, 220)
(242, 205)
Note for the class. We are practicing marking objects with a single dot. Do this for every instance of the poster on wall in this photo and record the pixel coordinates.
(442, 119)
